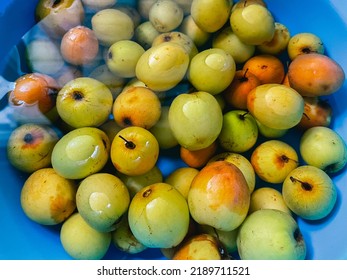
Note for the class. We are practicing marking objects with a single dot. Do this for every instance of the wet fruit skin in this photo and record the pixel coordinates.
(159, 216)
(81, 152)
(30, 146)
(79, 45)
(47, 198)
(102, 199)
(35, 88)
(219, 196)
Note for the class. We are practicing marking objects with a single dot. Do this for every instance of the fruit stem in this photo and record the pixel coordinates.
(128, 144)
(306, 186)
(28, 138)
(244, 78)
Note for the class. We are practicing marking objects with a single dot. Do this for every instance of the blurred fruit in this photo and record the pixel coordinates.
(79, 45)
(102, 199)
(81, 152)
(81, 241)
(165, 15)
(98, 4)
(211, 70)
(163, 66)
(159, 216)
(309, 192)
(239, 131)
(84, 102)
(47, 198)
(137, 106)
(43, 56)
(270, 234)
(57, 17)
(145, 33)
(29, 146)
(272, 160)
(189, 109)
(324, 148)
(112, 25)
(303, 43)
(269, 69)
(134, 151)
(219, 196)
(315, 74)
(276, 106)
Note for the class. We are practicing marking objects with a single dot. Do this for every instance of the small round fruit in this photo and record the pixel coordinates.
(267, 198)
(134, 151)
(122, 58)
(84, 102)
(219, 196)
(279, 42)
(165, 15)
(81, 152)
(210, 16)
(181, 179)
(309, 192)
(163, 66)
(79, 46)
(276, 105)
(228, 41)
(236, 93)
(159, 216)
(211, 70)
(137, 106)
(145, 33)
(101, 200)
(35, 88)
(270, 234)
(112, 25)
(253, 24)
(189, 27)
(324, 148)
(273, 160)
(81, 241)
(198, 158)
(47, 198)
(315, 74)
(303, 43)
(199, 247)
(124, 240)
(189, 109)
(269, 69)
(30, 146)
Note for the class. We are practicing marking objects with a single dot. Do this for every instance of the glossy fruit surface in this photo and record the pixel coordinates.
(159, 216)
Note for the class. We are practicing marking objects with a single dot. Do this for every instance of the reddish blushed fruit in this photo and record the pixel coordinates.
(219, 196)
(35, 88)
(236, 93)
(79, 45)
(268, 68)
(198, 158)
(315, 74)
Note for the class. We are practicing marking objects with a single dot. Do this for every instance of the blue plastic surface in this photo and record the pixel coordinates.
(21, 238)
